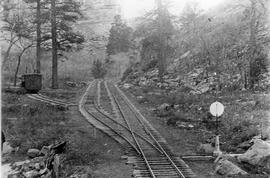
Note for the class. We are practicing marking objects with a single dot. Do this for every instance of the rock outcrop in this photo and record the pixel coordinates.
(42, 164)
(257, 152)
(227, 168)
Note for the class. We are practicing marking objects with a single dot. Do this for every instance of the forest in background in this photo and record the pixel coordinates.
(229, 43)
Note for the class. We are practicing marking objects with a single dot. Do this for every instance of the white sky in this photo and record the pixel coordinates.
(135, 8)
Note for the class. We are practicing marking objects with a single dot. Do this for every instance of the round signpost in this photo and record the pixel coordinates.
(217, 109)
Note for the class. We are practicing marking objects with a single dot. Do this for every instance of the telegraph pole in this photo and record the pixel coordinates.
(54, 46)
(38, 38)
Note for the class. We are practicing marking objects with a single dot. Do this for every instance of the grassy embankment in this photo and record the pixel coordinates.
(246, 113)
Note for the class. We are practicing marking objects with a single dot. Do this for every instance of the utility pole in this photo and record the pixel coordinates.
(38, 38)
(54, 47)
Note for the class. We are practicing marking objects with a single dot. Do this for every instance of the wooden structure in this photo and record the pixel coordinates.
(32, 82)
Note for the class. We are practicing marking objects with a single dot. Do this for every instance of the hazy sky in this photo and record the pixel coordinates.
(135, 8)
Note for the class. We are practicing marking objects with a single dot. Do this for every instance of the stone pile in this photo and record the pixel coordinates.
(256, 159)
(42, 163)
(197, 81)
(227, 168)
(258, 155)
(150, 79)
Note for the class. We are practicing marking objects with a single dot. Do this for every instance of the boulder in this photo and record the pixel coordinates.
(127, 86)
(43, 171)
(164, 106)
(184, 125)
(32, 153)
(124, 157)
(20, 163)
(7, 148)
(225, 167)
(6, 170)
(31, 174)
(190, 126)
(45, 150)
(264, 165)
(257, 152)
(140, 97)
(176, 106)
(257, 137)
(14, 175)
(37, 166)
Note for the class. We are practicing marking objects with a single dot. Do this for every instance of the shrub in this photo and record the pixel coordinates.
(126, 73)
(182, 98)
(150, 65)
(78, 151)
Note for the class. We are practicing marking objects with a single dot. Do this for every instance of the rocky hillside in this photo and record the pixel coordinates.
(197, 81)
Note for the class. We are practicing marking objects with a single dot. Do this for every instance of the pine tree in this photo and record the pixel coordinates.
(24, 25)
(155, 30)
(120, 37)
(98, 69)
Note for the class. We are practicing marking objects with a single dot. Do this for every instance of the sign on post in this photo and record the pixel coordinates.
(216, 109)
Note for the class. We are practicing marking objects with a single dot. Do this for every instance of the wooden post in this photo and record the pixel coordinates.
(56, 165)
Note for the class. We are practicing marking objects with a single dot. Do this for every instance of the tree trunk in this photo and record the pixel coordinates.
(161, 52)
(54, 46)
(252, 43)
(19, 63)
(38, 38)
(17, 69)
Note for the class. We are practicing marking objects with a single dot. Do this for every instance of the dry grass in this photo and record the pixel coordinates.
(37, 125)
(34, 125)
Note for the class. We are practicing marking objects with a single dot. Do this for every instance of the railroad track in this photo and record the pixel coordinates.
(144, 146)
(49, 100)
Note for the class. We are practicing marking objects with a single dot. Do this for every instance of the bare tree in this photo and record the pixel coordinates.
(23, 49)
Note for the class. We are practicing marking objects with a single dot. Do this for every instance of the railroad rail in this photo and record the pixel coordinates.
(49, 100)
(89, 108)
(145, 148)
(174, 166)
